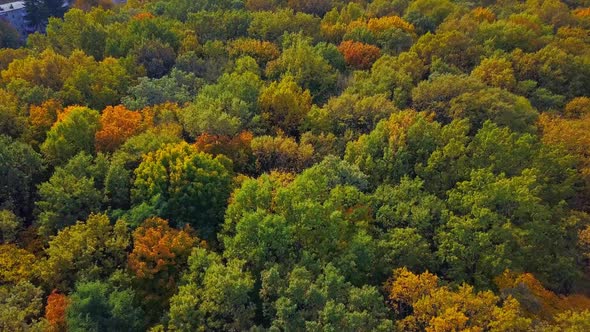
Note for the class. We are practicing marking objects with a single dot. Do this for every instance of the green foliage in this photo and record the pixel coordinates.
(70, 195)
(227, 106)
(308, 68)
(10, 224)
(71, 135)
(177, 87)
(97, 306)
(282, 157)
(20, 307)
(304, 301)
(215, 296)
(89, 250)
(185, 186)
(20, 168)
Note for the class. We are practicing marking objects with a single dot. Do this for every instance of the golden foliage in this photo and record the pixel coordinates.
(421, 304)
(536, 300)
(15, 264)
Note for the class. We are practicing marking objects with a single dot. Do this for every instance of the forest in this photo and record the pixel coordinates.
(297, 165)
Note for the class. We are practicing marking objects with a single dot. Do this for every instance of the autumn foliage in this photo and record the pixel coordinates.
(421, 303)
(55, 311)
(158, 249)
(295, 165)
(359, 55)
(237, 148)
(536, 300)
(117, 125)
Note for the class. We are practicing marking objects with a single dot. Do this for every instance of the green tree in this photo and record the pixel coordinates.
(284, 105)
(187, 186)
(71, 194)
(499, 106)
(229, 106)
(308, 68)
(215, 296)
(72, 134)
(20, 170)
(89, 250)
(303, 300)
(98, 306)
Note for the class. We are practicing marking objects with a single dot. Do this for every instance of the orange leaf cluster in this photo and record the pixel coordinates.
(158, 249)
(44, 115)
(582, 12)
(117, 125)
(236, 148)
(55, 311)
(143, 16)
(359, 55)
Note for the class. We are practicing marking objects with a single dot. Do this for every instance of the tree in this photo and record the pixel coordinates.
(10, 225)
(41, 118)
(90, 250)
(572, 134)
(229, 106)
(96, 306)
(220, 24)
(187, 186)
(20, 307)
(481, 239)
(64, 199)
(359, 55)
(12, 121)
(309, 69)
(9, 37)
(261, 51)
(55, 311)
(156, 57)
(74, 132)
(393, 77)
(420, 303)
(316, 7)
(499, 106)
(159, 255)
(284, 105)
(97, 84)
(272, 25)
(538, 301)
(87, 5)
(305, 300)
(215, 296)
(117, 124)
(20, 171)
(176, 87)
(436, 94)
(349, 115)
(496, 72)
(280, 153)
(16, 264)
(237, 148)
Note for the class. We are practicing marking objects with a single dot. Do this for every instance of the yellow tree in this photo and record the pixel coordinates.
(284, 104)
(422, 304)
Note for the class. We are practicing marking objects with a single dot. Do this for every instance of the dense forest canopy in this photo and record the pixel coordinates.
(297, 165)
